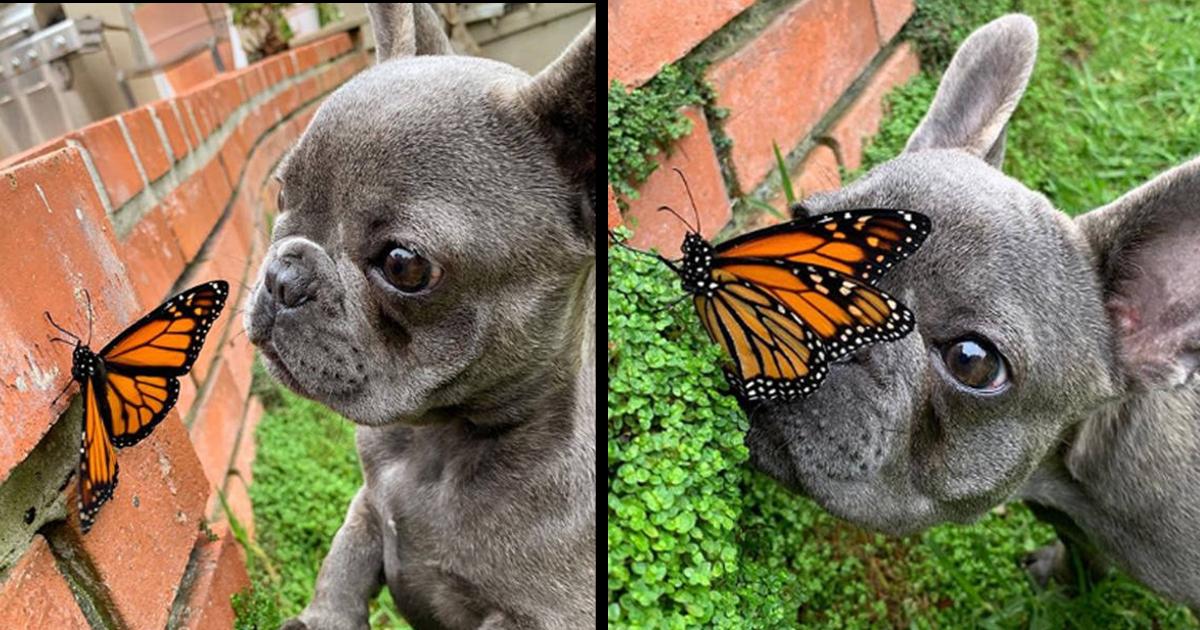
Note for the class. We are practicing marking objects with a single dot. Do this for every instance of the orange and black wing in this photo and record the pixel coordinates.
(97, 457)
(862, 244)
(844, 313)
(775, 354)
(142, 362)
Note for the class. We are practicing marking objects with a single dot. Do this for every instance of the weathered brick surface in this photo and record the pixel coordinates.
(780, 84)
(860, 122)
(214, 430)
(167, 115)
(155, 513)
(112, 158)
(62, 243)
(890, 16)
(59, 243)
(644, 36)
(694, 155)
(35, 594)
(147, 143)
(194, 207)
(152, 257)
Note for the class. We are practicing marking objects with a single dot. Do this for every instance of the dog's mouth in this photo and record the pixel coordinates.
(279, 368)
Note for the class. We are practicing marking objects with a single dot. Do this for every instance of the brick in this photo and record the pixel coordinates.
(220, 572)
(215, 427)
(155, 512)
(649, 35)
(112, 158)
(153, 258)
(286, 68)
(192, 72)
(241, 472)
(187, 396)
(614, 213)
(194, 207)
(781, 83)
(55, 221)
(694, 156)
(238, 353)
(36, 595)
(165, 112)
(310, 88)
(890, 16)
(306, 57)
(151, 151)
(860, 122)
(233, 155)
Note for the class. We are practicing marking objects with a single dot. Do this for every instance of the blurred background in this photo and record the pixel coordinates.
(63, 66)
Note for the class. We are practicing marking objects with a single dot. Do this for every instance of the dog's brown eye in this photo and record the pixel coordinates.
(975, 363)
(410, 272)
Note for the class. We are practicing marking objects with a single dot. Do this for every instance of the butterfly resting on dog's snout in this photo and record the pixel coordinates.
(131, 384)
(786, 301)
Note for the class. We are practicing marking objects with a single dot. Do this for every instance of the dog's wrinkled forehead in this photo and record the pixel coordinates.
(978, 213)
(423, 135)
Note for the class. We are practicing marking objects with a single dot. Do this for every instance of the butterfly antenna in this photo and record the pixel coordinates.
(681, 219)
(61, 329)
(88, 297)
(690, 198)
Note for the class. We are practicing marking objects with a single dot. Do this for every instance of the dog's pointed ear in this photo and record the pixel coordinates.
(562, 99)
(407, 29)
(1147, 252)
(980, 90)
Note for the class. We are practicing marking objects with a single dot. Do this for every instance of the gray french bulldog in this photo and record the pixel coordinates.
(432, 277)
(1054, 359)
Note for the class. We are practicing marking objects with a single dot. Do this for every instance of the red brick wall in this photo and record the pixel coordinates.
(811, 78)
(133, 208)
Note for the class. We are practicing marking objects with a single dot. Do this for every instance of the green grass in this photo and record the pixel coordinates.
(1111, 101)
(1110, 104)
(306, 472)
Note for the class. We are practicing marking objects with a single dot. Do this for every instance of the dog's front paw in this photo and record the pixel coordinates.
(1048, 563)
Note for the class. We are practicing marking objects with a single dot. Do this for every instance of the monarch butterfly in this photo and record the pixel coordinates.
(130, 385)
(785, 301)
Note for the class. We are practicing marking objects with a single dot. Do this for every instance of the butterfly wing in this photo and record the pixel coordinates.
(842, 312)
(775, 355)
(862, 244)
(97, 457)
(142, 362)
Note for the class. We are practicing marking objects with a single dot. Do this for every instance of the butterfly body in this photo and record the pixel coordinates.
(131, 384)
(786, 301)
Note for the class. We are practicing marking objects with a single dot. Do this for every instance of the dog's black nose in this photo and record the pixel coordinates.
(287, 284)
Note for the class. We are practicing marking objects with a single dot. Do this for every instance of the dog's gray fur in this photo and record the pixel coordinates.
(1098, 317)
(475, 400)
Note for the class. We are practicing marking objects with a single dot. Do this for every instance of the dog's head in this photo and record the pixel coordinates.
(1027, 321)
(435, 220)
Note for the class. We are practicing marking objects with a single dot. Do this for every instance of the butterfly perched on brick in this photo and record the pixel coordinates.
(131, 384)
(787, 300)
